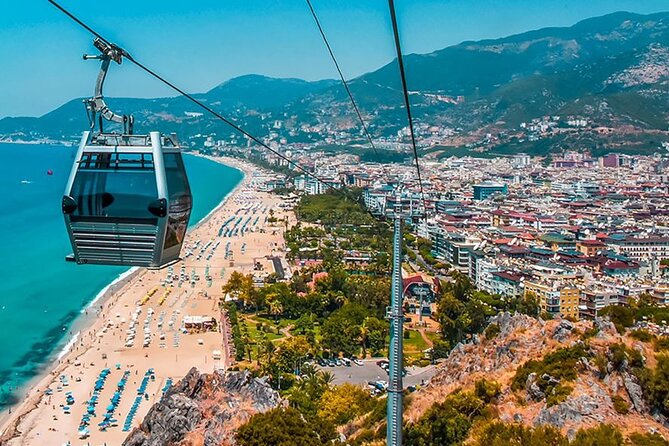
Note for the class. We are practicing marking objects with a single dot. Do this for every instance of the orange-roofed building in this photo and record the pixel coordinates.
(316, 277)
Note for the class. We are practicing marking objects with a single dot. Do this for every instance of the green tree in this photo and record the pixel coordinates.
(486, 390)
(450, 313)
(622, 317)
(240, 287)
(377, 331)
(291, 353)
(304, 323)
(371, 292)
(445, 423)
(440, 349)
(298, 283)
(639, 439)
(528, 304)
(341, 331)
(237, 337)
(275, 306)
(602, 435)
(477, 313)
(657, 387)
(283, 427)
(503, 434)
(460, 287)
(343, 403)
(306, 393)
(291, 305)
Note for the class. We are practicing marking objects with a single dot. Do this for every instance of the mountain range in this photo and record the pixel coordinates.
(612, 70)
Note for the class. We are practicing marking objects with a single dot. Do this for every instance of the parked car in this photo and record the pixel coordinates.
(358, 362)
(382, 363)
(381, 385)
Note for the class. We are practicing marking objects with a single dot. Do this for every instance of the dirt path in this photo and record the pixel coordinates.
(427, 340)
(286, 331)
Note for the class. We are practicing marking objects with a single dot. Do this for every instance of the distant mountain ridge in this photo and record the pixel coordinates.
(254, 91)
(611, 69)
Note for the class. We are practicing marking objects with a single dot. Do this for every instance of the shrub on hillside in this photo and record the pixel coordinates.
(620, 405)
(560, 364)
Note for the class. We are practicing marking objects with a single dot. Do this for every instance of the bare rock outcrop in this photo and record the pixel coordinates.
(605, 328)
(591, 393)
(534, 392)
(562, 332)
(204, 409)
(508, 323)
(635, 392)
(571, 412)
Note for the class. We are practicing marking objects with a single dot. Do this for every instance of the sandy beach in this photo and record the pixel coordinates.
(150, 329)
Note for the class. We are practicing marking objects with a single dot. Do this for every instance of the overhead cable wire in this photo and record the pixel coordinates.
(345, 83)
(191, 98)
(407, 103)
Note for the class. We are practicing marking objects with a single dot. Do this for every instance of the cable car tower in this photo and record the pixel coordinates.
(399, 212)
(127, 200)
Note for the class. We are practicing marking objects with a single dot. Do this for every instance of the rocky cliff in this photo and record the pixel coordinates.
(204, 410)
(522, 338)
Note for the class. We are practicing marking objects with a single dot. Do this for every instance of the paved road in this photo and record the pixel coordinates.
(422, 264)
(227, 358)
(356, 374)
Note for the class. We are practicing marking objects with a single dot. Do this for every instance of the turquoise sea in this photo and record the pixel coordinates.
(40, 293)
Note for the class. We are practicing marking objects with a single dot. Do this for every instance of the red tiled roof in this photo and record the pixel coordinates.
(502, 241)
(591, 243)
(507, 275)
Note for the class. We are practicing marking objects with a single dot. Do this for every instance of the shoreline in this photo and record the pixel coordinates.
(83, 323)
(38, 143)
(88, 319)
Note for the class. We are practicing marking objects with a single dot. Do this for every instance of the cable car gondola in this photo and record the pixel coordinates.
(127, 200)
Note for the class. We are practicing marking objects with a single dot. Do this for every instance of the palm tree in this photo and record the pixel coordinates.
(327, 378)
(308, 370)
(248, 341)
(364, 332)
(275, 307)
(268, 347)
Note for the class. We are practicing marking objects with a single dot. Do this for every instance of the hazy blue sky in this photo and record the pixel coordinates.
(200, 43)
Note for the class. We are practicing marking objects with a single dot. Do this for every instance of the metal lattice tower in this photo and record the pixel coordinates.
(396, 317)
(399, 211)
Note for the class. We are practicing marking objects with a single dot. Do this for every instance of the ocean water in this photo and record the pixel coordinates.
(40, 293)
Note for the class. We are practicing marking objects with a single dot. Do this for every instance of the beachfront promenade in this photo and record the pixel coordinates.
(150, 333)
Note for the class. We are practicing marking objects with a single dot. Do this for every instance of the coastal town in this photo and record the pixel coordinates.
(516, 227)
(469, 249)
(578, 232)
